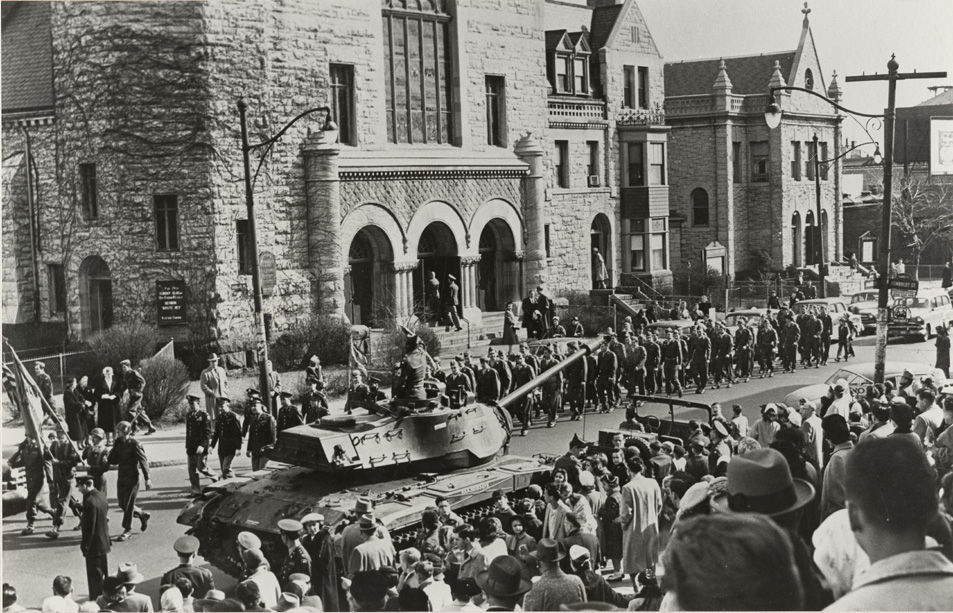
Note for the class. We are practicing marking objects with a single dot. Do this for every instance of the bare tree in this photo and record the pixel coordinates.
(923, 214)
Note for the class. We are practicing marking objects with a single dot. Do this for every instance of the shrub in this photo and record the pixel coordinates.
(167, 382)
(134, 341)
(327, 337)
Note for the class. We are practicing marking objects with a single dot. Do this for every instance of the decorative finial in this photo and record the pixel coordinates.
(806, 10)
(722, 81)
(777, 79)
(892, 65)
(834, 91)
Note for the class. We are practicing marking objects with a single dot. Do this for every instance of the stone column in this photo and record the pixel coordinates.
(534, 194)
(404, 289)
(323, 197)
(468, 285)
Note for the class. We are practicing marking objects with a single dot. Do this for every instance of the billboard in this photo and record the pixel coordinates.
(941, 145)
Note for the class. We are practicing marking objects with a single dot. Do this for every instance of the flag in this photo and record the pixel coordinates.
(167, 351)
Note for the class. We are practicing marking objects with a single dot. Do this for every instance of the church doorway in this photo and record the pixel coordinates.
(600, 238)
(499, 270)
(437, 253)
(95, 296)
(369, 292)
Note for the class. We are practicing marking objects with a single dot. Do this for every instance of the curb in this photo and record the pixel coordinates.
(167, 463)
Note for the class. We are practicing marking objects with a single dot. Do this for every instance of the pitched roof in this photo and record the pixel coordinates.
(553, 38)
(27, 80)
(749, 74)
(603, 20)
(941, 99)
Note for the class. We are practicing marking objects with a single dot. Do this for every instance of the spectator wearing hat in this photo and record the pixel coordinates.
(297, 559)
(892, 497)
(258, 572)
(696, 463)
(74, 408)
(597, 588)
(503, 584)
(721, 450)
(464, 593)
(320, 546)
(351, 535)
(130, 577)
(575, 535)
(766, 427)
(114, 596)
(554, 586)
(374, 552)
(641, 505)
(130, 458)
(214, 384)
(289, 415)
(368, 591)
(198, 434)
(740, 562)
(833, 488)
(185, 547)
(661, 462)
(227, 435)
(813, 433)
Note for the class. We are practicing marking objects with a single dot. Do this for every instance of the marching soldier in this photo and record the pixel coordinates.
(653, 357)
(790, 335)
(683, 345)
(813, 328)
(767, 342)
(134, 383)
(608, 368)
(723, 350)
(827, 330)
(619, 350)
(466, 367)
(531, 359)
(488, 383)
(523, 373)
(96, 457)
(592, 374)
(743, 341)
(671, 360)
(637, 357)
(227, 435)
(552, 387)
(502, 368)
(64, 459)
(458, 384)
(129, 457)
(262, 436)
(700, 348)
(198, 433)
(576, 375)
(288, 414)
(37, 468)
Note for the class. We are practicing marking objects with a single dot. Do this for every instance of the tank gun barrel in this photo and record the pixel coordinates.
(539, 379)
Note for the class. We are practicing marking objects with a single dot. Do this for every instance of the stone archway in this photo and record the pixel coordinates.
(437, 253)
(499, 270)
(369, 287)
(95, 296)
(600, 237)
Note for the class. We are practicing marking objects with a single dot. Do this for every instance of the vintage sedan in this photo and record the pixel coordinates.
(858, 376)
(836, 307)
(864, 303)
(753, 316)
(682, 325)
(920, 315)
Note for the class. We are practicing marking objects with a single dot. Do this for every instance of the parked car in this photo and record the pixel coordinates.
(682, 325)
(920, 315)
(865, 304)
(836, 307)
(859, 376)
(754, 316)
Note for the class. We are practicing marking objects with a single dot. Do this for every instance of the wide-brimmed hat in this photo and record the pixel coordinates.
(366, 522)
(129, 573)
(760, 482)
(213, 357)
(363, 505)
(504, 578)
(286, 601)
(549, 550)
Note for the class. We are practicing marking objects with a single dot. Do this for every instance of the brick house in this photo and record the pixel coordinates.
(742, 196)
(441, 161)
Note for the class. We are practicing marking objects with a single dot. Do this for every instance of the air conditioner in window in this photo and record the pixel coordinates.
(593, 181)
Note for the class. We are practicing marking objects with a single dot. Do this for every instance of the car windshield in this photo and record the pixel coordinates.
(917, 303)
(852, 378)
(734, 319)
(865, 297)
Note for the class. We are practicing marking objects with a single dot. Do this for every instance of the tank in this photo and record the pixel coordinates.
(402, 456)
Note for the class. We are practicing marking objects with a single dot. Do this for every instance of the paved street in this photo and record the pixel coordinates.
(30, 563)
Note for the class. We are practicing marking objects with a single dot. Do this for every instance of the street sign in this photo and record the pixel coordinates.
(904, 293)
(170, 303)
(903, 282)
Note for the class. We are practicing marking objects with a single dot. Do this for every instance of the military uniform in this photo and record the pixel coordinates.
(767, 342)
(297, 561)
(723, 349)
(198, 433)
(672, 360)
(261, 436)
(288, 417)
(228, 437)
(488, 385)
(619, 350)
(576, 375)
(827, 329)
(790, 335)
(700, 347)
(637, 358)
(743, 352)
(552, 390)
(64, 458)
(608, 368)
(97, 458)
(129, 455)
(522, 374)
(201, 579)
(592, 374)
(36, 467)
(506, 376)
(324, 572)
(458, 384)
(653, 355)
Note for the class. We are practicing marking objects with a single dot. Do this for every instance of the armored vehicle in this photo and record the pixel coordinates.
(402, 455)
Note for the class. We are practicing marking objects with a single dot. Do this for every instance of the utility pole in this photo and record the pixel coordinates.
(819, 229)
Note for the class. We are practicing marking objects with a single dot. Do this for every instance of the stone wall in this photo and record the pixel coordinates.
(570, 216)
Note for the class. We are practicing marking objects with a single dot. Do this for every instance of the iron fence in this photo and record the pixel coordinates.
(59, 366)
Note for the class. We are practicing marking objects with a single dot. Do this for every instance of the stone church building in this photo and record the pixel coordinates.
(499, 142)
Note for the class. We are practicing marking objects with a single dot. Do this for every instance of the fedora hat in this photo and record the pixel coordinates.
(549, 550)
(760, 482)
(504, 578)
(367, 522)
(129, 573)
(363, 505)
(213, 357)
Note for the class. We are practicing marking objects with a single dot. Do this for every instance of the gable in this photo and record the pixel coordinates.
(621, 37)
(603, 21)
(805, 60)
(27, 57)
(748, 74)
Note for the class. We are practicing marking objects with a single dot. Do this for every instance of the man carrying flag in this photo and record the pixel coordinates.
(30, 456)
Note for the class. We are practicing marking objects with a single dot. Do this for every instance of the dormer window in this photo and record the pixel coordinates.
(567, 61)
(808, 79)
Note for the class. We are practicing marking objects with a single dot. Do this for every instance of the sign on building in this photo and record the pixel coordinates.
(941, 145)
(170, 303)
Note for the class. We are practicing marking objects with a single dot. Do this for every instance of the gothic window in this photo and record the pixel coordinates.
(417, 71)
(699, 207)
(808, 79)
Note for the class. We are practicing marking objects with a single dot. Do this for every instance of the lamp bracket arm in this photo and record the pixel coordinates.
(271, 141)
(824, 98)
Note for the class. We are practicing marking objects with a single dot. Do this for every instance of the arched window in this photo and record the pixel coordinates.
(699, 207)
(808, 79)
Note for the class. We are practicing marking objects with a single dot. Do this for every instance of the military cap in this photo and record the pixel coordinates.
(720, 428)
(192, 397)
(251, 392)
(247, 540)
(126, 363)
(286, 395)
(700, 440)
(299, 578)
(186, 544)
(289, 525)
(312, 518)
(222, 400)
(98, 432)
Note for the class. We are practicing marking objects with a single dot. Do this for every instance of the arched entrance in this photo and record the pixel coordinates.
(600, 237)
(499, 270)
(810, 239)
(437, 253)
(369, 286)
(796, 239)
(95, 295)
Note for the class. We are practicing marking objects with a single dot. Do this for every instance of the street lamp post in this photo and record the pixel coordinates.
(772, 117)
(247, 148)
